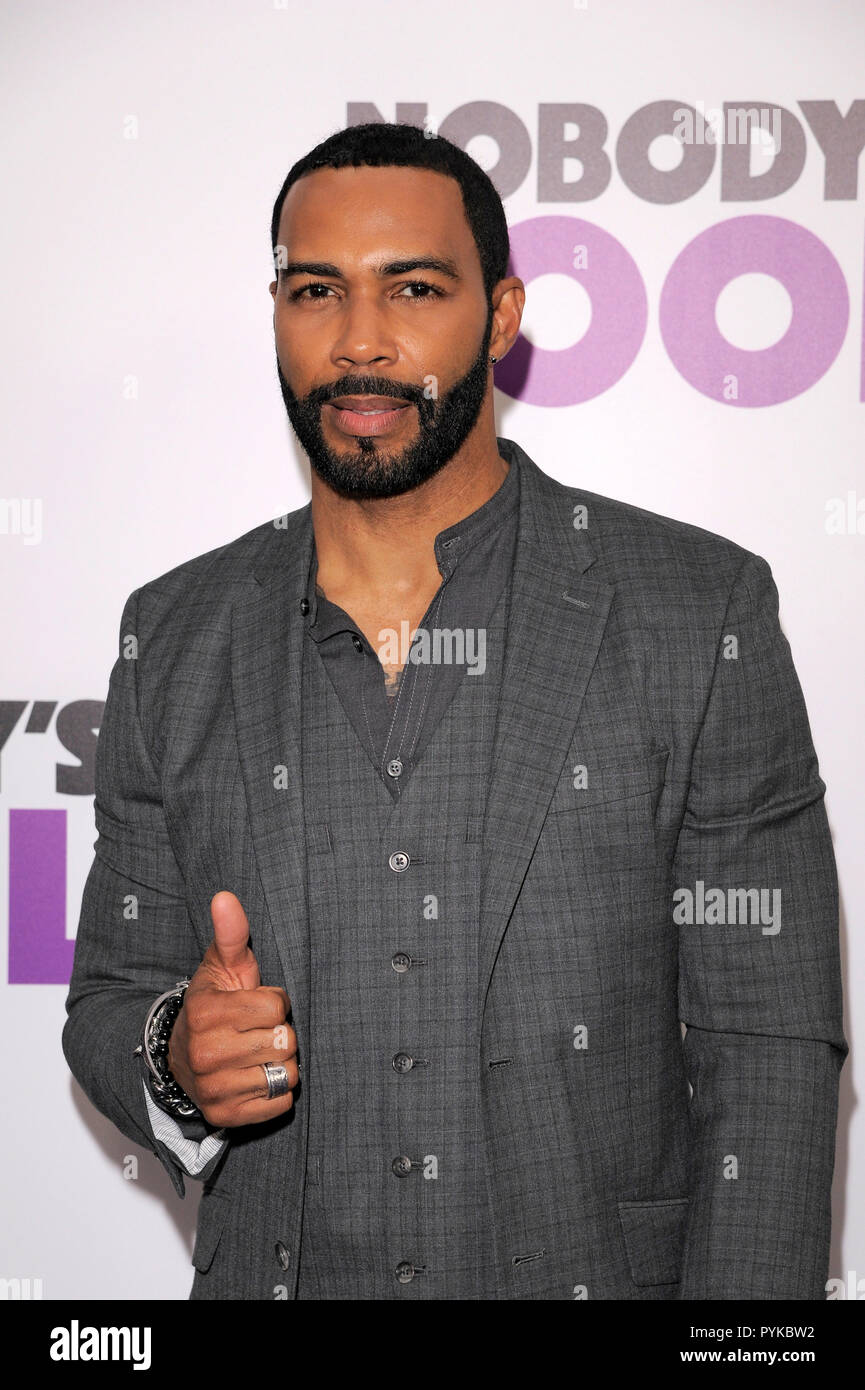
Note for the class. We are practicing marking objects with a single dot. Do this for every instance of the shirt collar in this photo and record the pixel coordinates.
(452, 543)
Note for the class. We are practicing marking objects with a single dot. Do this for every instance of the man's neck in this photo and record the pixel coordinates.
(384, 548)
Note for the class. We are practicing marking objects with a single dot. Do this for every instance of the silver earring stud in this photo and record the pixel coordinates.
(494, 359)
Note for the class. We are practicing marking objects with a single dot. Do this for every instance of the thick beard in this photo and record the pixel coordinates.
(369, 471)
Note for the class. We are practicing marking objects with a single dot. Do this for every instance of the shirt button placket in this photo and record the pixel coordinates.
(401, 1062)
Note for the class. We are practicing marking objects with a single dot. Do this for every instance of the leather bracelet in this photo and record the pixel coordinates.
(154, 1049)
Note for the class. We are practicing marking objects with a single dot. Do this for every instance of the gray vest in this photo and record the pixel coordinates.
(396, 1202)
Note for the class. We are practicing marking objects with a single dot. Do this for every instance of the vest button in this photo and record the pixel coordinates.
(398, 861)
(394, 767)
(405, 1272)
(282, 1255)
(401, 1166)
(401, 962)
(402, 1062)
(358, 645)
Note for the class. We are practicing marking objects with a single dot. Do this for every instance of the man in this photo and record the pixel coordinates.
(445, 905)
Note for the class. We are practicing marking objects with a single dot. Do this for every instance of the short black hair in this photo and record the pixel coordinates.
(382, 143)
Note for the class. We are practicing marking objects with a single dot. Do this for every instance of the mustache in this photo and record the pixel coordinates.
(369, 386)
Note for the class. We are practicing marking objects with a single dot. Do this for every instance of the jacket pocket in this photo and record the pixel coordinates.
(212, 1213)
(610, 778)
(654, 1235)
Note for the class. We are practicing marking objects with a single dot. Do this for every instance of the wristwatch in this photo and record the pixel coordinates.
(154, 1049)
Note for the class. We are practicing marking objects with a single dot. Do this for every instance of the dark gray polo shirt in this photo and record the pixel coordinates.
(475, 557)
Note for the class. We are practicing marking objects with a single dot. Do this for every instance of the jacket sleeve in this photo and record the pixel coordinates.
(135, 938)
(759, 990)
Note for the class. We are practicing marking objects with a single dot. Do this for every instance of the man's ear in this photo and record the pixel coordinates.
(509, 300)
(273, 288)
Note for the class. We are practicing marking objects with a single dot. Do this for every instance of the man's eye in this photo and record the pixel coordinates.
(422, 285)
(313, 285)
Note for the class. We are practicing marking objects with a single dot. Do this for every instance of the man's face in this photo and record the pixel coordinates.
(370, 330)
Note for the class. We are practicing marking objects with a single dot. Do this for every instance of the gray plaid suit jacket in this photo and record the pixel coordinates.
(651, 737)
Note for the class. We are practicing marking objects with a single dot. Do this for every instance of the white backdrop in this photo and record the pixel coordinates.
(143, 147)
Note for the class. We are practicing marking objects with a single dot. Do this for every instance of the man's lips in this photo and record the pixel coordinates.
(367, 415)
(366, 403)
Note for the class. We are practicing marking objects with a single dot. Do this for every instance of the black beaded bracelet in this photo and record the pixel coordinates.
(157, 1030)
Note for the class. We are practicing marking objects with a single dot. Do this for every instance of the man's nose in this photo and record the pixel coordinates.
(364, 333)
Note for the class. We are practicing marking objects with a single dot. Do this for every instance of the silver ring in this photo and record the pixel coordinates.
(277, 1079)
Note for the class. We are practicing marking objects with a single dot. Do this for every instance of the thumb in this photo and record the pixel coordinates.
(233, 956)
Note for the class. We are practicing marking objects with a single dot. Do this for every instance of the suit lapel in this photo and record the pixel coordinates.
(266, 652)
(556, 623)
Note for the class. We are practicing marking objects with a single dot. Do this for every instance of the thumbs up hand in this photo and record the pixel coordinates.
(228, 961)
(229, 1026)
